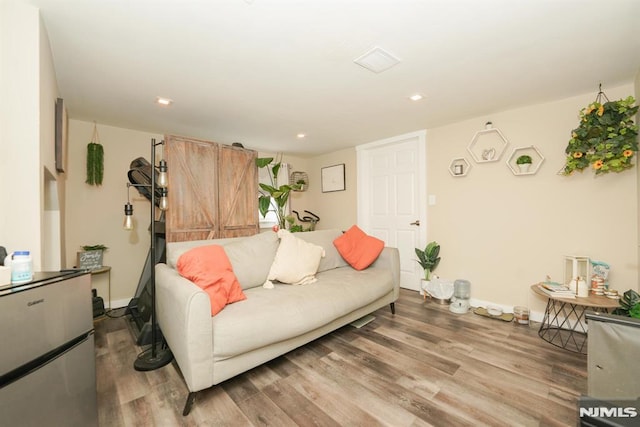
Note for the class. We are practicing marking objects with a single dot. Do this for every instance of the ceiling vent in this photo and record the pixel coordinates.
(377, 60)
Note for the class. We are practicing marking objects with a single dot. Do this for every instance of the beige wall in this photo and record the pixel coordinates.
(336, 209)
(52, 183)
(94, 214)
(504, 232)
(30, 186)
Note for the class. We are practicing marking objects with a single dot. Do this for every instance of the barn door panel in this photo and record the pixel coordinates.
(193, 189)
(237, 192)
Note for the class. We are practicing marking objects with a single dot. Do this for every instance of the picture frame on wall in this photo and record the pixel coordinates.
(60, 135)
(333, 178)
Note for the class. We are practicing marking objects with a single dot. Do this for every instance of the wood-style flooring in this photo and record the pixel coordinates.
(422, 366)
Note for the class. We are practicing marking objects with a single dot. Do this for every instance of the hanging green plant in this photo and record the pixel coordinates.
(95, 159)
(606, 139)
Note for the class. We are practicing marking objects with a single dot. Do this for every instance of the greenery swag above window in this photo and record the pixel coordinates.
(606, 138)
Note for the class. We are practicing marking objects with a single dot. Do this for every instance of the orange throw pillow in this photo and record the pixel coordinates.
(210, 269)
(358, 248)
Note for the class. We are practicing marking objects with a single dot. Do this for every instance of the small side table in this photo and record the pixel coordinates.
(101, 270)
(564, 324)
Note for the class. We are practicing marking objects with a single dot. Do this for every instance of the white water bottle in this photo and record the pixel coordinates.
(21, 267)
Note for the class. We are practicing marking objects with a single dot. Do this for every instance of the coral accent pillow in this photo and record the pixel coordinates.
(358, 248)
(296, 261)
(210, 269)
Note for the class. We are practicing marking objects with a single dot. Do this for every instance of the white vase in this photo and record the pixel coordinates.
(524, 167)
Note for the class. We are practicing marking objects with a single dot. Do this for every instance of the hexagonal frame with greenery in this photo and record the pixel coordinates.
(536, 157)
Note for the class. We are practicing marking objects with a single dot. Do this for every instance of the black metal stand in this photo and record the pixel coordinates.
(153, 358)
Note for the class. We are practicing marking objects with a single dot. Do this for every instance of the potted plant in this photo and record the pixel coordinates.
(302, 185)
(91, 256)
(293, 227)
(524, 163)
(629, 305)
(272, 196)
(606, 138)
(428, 258)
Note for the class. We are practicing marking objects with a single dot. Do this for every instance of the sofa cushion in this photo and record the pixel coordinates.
(332, 258)
(251, 257)
(269, 316)
(358, 248)
(209, 268)
(296, 261)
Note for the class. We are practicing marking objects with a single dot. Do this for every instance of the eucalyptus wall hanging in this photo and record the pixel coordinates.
(606, 139)
(95, 159)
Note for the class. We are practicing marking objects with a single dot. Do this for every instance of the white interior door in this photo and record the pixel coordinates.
(392, 197)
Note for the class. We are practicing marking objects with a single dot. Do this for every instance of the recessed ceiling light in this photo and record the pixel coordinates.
(301, 135)
(416, 97)
(165, 102)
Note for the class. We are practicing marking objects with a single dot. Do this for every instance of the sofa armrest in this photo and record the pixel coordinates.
(184, 316)
(390, 258)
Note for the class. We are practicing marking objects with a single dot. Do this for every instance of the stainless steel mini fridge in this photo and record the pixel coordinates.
(47, 356)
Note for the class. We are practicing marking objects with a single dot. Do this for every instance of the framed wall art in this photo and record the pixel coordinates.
(333, 178)
(60, 135)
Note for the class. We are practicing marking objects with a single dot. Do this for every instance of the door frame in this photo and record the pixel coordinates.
(363, 153)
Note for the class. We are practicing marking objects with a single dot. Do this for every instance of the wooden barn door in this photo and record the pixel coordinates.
(237, 192)
(193, 189)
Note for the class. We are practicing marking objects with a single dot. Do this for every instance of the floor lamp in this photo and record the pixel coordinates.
(154, 357)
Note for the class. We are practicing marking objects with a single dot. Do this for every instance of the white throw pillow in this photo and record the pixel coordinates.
(296, 261)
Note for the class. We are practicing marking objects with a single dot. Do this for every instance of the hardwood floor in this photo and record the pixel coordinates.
(423, 366)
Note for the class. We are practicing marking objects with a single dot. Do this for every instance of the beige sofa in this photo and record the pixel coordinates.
(269, 322)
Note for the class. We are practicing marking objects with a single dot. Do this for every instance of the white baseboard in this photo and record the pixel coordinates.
(117, 303)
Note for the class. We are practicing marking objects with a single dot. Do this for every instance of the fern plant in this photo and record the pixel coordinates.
(95, 163)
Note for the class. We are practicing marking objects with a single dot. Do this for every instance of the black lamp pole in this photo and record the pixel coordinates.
(153, 358)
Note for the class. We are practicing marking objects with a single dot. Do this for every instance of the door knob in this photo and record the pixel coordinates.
(417, 222)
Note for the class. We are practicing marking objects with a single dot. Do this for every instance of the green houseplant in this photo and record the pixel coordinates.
(95, 164)
(428, 258)
(524, 163)
(272, 196)
(302, 185)
(95, 159)
(606, 138)
(629, 305)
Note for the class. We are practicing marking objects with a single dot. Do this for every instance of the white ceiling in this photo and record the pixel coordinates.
(261, 71)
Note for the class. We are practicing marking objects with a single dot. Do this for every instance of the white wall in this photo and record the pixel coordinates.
(504, 232)
(94, 214)
(21, 168)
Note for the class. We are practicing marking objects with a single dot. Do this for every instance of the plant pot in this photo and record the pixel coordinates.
(425, 286)
(524, 167)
